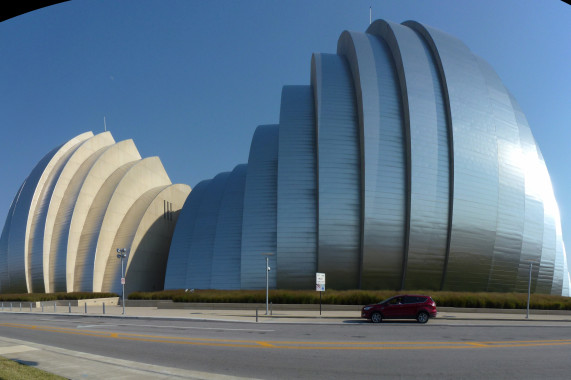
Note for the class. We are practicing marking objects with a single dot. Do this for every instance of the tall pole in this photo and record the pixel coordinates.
(121, 255)
(529, 289)
(267, 283)
(123, 282)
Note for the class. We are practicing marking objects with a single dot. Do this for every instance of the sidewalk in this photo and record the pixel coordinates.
(281, 313)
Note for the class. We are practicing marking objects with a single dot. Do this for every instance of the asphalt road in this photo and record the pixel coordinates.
(333, 351)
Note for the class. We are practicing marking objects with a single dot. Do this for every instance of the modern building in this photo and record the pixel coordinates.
(405, 163)
(84, 200)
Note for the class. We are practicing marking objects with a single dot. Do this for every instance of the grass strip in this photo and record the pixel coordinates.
(10, 369)
(361, 297)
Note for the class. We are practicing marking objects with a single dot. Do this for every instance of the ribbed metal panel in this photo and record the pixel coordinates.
(532, 241)
(339, 171)
(177, 264)
(4, 278)
(384, 158)
(228, 243)
(199, 263)
(29, 213)
(425, 122)
(476, 186)
(559, 272)
(550, 218)
(15, 278)
(511, 196)
(61, 204)
(566, 280)
(260, 209)
(297, 189)
(113, 158)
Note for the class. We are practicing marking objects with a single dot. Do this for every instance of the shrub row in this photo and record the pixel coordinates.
(360, 297)
(36, 297)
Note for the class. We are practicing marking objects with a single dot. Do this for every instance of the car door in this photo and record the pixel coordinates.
(409, 307)
(394, 308)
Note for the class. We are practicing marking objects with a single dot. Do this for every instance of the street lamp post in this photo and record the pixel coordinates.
(267, 278)
(529, 289)
(121, 254)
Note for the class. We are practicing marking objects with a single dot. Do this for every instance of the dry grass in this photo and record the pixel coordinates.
(361, 297)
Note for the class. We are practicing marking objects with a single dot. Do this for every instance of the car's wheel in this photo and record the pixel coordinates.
(422, 317)
(376, 317)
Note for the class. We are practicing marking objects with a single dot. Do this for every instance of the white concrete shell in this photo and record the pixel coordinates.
(113, 158)
(81, 202)
(38, 208)
(143, 176)
(61, 206)
(145, 270)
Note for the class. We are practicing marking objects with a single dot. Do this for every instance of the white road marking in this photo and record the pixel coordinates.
(86, 326)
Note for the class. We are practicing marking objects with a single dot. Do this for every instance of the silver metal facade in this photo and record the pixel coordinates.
(260, 210)
(422, 172)
(226, 255)
(178, 262)
(428, 169)
(476, 181)
(199, 264)
(339, 171)
(297, 186)
(383, 162)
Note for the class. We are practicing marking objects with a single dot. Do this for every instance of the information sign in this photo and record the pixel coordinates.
(320, 282)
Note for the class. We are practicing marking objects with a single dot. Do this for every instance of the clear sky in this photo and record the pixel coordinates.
(190, 80)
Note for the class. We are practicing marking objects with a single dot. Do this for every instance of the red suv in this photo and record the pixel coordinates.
(401, 307)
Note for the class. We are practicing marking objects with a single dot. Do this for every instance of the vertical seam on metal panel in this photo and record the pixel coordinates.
(421, 31)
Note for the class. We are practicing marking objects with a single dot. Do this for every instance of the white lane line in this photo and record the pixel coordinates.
(16, 349)
(86, 326)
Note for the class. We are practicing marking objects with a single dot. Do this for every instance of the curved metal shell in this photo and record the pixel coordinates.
(384, 159)
(228, 241)
(297, 206)
(339, 173)
(176, 272)
(29, 213)
(260, 208)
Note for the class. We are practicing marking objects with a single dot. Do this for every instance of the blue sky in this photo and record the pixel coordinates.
(189, 80)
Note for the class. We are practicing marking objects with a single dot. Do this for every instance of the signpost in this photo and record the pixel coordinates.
(320, 286)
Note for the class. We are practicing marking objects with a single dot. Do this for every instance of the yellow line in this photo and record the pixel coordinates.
(295, 345)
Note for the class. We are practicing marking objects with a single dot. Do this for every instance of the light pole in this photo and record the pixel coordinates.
(529, 288)
(267, 277)
(121, 254)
